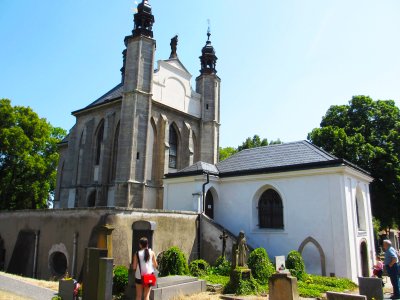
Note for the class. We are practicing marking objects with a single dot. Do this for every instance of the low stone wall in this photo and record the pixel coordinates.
(53, 234)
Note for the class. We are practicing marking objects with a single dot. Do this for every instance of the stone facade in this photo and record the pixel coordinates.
(120, 147)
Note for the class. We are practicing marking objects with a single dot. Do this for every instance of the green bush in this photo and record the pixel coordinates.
(199, 267)
(173, 262)
(56, 298)
(222, 266)
(120, 279)
(295, 264)
(260, 265)
(238, 286)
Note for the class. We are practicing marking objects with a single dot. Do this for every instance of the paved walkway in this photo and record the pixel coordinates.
(31, 292)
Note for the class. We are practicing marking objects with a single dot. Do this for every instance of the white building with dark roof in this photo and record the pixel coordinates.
(285, 197)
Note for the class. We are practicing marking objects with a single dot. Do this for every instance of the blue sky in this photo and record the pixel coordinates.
(282, 62)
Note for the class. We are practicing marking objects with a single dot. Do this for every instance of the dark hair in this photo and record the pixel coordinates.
(144, 243)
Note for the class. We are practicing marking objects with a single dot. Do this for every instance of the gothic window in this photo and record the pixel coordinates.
(360, 212)
(173, 148)
(99, 142)
(270, 210)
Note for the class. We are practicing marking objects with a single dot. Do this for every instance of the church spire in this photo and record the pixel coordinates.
(208, 59)
(143, 20)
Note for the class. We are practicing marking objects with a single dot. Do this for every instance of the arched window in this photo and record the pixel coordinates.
(173, 148)
(270, 210)
(360, 212)
(99, 142)
(92, 199)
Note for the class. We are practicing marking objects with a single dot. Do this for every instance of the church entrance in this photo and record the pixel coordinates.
(364, 259)
(209, 211)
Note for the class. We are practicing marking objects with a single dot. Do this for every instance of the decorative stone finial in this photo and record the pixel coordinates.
(208, 59)
(143, 20)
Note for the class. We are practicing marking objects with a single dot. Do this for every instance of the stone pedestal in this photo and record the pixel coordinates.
(283, 287)
(91, 272)
(105, 280)
(66, 289)
(239, 274)
(371, 287)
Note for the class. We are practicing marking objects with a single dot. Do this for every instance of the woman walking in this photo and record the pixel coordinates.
(144, 263)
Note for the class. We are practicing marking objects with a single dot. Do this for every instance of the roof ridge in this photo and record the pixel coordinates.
(319, 149)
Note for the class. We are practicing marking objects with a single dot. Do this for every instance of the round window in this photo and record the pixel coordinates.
(58, 263)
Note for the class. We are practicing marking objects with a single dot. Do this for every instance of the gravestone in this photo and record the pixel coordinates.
(91, 272)
(66, 289)
(371, 287)
(282, 286)
(105, 280)
(344, 296)
(280, 264)
(2, 254)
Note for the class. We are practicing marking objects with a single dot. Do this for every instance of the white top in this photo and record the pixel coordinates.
(145, 267)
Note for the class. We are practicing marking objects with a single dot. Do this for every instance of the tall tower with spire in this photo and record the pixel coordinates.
(135, 109)
(208, 85)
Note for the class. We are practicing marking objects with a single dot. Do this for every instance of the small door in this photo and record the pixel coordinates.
(209, 209)
(364, 259)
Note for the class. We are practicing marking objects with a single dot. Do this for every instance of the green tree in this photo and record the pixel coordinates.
(254, 142)
(367, 133)
(250, 142)
(28, 158)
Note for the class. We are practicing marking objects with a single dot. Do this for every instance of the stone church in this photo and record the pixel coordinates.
(150, 124)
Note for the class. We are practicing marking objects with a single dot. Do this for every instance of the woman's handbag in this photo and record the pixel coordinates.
(147, 279)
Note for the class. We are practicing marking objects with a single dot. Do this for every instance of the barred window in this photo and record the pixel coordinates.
(173, 148)
(270, 210)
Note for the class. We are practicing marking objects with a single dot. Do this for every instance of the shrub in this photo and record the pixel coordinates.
(222, 266)
(199, 267)
(260, 265)
(295, 263)
(120, 279)
(173, 262)
(239, 286)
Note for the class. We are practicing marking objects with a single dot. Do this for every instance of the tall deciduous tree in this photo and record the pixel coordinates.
(250, 142)
(28, 158)
(367, 133)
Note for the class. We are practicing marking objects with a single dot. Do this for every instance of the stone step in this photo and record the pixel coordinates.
(170, 287)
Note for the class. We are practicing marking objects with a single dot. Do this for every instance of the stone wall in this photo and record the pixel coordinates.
(57, 230)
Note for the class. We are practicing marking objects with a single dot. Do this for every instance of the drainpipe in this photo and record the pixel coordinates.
(204, 191)
(74, 253)
(199, 217)
(35, 255)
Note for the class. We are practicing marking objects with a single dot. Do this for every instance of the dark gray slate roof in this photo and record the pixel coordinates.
(274, 158)
(201, 167)
(289, 154)
(112, 94)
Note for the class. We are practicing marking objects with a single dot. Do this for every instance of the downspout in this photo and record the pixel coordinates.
(74, 253)
(35, 255)
(199, 217)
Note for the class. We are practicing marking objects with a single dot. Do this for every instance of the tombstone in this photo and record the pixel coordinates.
(344, 296)
(105, 280)
(91, 272)
(280, 264)
(66, 289)
(371, 287)
(2, 255)
(104, 239)
(282, 286)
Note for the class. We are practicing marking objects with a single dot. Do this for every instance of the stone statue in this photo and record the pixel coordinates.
(242, 250)
(174, 44)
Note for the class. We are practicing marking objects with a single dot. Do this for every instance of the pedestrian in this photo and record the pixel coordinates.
(378, 267)
(391, 266)
(144, 263)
